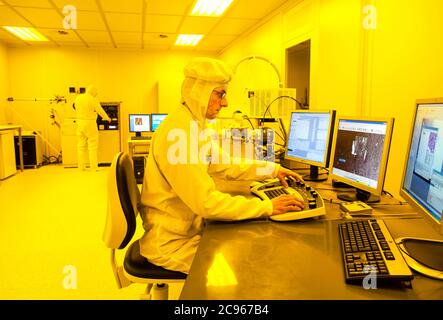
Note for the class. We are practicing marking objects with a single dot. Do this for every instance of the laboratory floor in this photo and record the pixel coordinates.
(51, 225)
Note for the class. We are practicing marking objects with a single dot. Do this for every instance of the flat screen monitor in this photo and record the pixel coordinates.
(360, 156)
(139, 123)
(157, 118)
(422, 184)
(309, 140)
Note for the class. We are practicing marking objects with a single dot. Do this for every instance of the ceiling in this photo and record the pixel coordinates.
(131, 24)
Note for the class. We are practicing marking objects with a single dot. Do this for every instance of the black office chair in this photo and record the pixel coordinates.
(121, 221)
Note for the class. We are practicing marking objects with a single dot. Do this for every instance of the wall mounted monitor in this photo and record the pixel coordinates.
(309, 140)
(360, 155)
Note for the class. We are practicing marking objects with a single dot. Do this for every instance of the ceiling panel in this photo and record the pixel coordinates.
(176, 7)
(9, 18)
(55, 35)
(198, 25)
(124, 21)
(90, 21)
(162, 23)
(127, 6)
(252, 9)
(45, 18)
(233, 26)
(218, 41)
(95, 36)
(127, 37)
(79, 4)
(100, 45)
(29, 3)
(154, 39)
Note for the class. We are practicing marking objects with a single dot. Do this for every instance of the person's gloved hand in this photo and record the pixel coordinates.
(283, 172)
(285, 203)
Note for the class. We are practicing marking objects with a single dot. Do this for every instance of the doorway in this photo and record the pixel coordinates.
(298, 71)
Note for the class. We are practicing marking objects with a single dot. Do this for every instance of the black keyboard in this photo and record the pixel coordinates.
(369, 249)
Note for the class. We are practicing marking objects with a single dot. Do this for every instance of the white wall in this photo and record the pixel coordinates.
(144, 82)
(3, 83)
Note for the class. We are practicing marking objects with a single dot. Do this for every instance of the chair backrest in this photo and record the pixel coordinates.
(123, 199)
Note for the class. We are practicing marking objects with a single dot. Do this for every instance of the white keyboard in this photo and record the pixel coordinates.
(314, 205)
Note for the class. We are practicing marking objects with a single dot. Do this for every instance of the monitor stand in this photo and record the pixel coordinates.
(138, 136)
(314, 176)
(359, 194)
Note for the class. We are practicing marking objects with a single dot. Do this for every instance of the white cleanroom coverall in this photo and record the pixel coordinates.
(176, 197)
(87, 107)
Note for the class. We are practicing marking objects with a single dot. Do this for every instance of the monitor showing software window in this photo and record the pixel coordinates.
(156, 119)
(309, 140)
(361, 148)
(423, 176)
(422, 186)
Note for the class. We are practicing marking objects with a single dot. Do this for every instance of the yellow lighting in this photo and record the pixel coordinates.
(188, 39)
(27, 34)
(212, 8)
(220, 273)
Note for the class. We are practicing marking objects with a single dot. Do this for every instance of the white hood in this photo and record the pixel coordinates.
(202, 75)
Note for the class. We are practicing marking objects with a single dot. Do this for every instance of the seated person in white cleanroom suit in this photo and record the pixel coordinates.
(178, 192)
(87, 106)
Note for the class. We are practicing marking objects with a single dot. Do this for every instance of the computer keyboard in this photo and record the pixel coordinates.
(369, 249)
(269, 189)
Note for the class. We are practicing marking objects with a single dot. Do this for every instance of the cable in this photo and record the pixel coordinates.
(249, 120)
(280, 97)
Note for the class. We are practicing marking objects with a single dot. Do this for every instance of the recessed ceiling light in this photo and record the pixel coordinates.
(210, 7)
(188, 39)
(27, 34)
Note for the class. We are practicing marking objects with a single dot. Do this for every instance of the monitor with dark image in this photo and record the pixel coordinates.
(422, 184)
(157, 118)
(139, 123)
(309, 140)
(360, 156)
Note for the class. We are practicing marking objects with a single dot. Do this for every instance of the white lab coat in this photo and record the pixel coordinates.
(177, 198)
(87, 107)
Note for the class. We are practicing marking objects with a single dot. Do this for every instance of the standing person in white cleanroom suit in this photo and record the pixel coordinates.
(178, 195)
(87, 107)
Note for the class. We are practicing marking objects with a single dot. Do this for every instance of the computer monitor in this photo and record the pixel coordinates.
(309, 140)
(422, 184)
(360, 155)
(157, 118)
(139, 123)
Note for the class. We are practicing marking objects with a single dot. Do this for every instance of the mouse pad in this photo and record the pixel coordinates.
(428, 253)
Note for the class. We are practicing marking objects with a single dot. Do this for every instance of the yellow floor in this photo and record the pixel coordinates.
(51, 225)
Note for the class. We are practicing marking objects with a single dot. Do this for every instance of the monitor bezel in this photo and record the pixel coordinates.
(384, 159)
(325, 163)
(152, 122)
(403, 192)
(139, 114)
